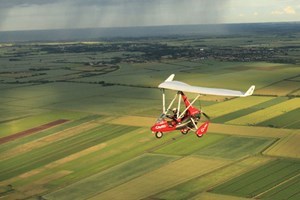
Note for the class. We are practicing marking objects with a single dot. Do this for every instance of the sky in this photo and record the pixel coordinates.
(62, 14)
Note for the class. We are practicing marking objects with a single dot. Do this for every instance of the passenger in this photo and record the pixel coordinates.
(173, 116)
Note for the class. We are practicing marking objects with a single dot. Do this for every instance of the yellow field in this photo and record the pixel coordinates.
(37, 187)
(281, 89)
(212, 196)
(248, 131)
(54, 164)
(268, 113)
(107, 90)
(287, 147)
(216, 128)
(234, 105)
(134, 121)
(210, 180)
(172, 174)
(48, 139)
(296, 92)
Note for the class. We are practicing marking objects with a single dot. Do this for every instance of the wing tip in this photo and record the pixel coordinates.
(170, 78)
(249, 91)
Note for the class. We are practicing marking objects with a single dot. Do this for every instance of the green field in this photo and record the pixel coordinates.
(54, 151)
(111, 177)
(234, 147)
(246, 111)
(286, 120)
(270, 177)
(189, 144)
(107, 90)
(268, 113)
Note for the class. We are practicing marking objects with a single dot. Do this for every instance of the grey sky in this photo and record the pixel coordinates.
(55, 14)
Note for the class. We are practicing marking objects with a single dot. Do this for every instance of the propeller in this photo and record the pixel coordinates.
(205, 115)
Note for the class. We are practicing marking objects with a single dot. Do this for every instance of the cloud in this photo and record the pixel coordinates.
(4, 4)
(288, 10)
(40, 14)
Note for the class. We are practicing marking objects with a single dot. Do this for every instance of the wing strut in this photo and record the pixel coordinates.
(165, 111)
(164, 99)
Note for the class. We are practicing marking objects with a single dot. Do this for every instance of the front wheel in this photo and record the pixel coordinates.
(158, 135)
(184, 131)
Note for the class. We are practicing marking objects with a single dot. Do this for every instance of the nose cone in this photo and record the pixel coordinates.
(153, 128)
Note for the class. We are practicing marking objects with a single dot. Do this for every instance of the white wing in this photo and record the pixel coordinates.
(180, 86)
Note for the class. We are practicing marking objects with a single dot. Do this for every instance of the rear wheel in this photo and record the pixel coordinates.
(158, 135)
(184, 131)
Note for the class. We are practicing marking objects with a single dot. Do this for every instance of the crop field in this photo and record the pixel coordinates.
(268, 113)
(168, 175)
(195, 186)
(235, 105)
(287, 120)
(281, 89)
(286, 147)
(75, 119)
(188, 144)
(266, 181)
(231, 148)
(252, 109)
(111, 177)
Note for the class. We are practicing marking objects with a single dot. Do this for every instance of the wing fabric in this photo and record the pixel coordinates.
(180, 86)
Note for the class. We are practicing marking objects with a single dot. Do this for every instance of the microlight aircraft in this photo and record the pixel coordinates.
(187, 120)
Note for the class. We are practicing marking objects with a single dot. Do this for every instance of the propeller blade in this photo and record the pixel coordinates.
(205, 115)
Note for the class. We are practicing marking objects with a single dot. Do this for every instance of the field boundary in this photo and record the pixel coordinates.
(31, 131)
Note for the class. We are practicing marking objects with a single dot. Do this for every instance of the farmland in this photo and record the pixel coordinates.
(75, 119)
(265, 178)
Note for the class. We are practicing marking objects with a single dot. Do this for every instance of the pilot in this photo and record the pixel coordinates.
(173, 117)
(174, 114)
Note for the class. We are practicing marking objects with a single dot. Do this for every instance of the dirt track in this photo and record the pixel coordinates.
(31, 131)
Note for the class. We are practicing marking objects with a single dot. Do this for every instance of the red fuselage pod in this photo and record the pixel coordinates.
(164, 126)
(192, 111)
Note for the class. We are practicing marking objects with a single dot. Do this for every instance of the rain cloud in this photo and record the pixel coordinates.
(52, 14)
